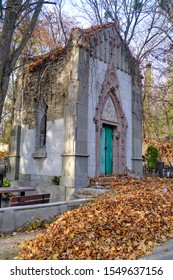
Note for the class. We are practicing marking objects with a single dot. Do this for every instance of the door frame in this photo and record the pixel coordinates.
(119, 133)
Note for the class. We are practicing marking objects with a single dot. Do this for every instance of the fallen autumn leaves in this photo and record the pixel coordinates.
(129, 222)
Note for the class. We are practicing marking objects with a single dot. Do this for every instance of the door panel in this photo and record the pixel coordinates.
(106, 150)
(102, 152)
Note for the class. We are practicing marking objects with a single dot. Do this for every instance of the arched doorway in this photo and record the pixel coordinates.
(111, 128)
(110, 116)
(109, 125)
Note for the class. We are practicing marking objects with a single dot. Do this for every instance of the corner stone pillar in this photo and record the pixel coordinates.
(137, 134)
(14, 156)
(75, 157)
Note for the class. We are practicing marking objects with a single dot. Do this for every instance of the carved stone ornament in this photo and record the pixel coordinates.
(117, 135)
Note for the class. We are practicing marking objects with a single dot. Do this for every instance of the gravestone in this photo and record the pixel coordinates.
(159, 168)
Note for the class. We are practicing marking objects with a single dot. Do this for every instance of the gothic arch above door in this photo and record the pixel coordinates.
(111, 126)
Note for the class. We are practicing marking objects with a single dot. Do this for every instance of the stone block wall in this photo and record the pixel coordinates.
(51, 165)
(109, 50)
(49, 82)
(12, 218)
(98, 70)
(125, 88)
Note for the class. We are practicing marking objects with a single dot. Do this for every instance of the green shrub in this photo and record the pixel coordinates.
(151, 156)
(6, 183)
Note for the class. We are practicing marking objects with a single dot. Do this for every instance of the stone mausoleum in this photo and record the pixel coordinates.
(78, 112)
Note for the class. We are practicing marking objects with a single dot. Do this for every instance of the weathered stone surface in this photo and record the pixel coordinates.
(14, 217)
(51, 84)
(94, 82)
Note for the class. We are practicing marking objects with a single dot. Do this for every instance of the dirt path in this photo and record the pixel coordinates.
(9, 245)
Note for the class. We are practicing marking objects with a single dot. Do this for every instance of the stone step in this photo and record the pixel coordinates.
(89, 192)
(100, 184)
(92, 190)
(107, 180)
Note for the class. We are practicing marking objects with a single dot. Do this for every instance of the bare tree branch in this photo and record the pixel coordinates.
(15, 12)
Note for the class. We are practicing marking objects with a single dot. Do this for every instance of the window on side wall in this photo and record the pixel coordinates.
(41, 130)
(43, 125)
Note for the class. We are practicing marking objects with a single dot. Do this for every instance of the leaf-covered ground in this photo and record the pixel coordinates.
(165, 149)
(126, 224)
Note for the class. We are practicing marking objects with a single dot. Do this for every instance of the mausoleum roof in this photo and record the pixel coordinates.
(85, 39)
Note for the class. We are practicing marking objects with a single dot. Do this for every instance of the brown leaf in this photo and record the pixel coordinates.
(125, 224)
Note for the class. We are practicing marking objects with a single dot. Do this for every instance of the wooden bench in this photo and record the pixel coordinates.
(30, 199)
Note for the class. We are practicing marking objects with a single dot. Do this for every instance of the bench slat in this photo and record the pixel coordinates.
(30, 199)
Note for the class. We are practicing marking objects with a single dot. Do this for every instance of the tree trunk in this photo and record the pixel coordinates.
(4, 82)
(8, 56)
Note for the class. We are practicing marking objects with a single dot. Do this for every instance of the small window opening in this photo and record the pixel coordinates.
(41, 125)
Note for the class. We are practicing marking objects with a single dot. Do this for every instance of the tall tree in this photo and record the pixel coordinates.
(52, 31)
(147, 27)
(158, 101)
(167, 7)
(149, 109)
(167, 98)
(141, 23)
(13, 13)
(58, 24)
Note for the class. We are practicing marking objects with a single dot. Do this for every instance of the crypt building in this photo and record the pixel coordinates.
(78, 112)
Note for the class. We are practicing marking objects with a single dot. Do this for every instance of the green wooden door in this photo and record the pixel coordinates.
(106, 150)
(102, 152)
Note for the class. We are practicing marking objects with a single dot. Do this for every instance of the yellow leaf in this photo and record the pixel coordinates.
(55, 256)
(113, 248)
(88, 243)
(108, 240)
(148, 253)
(150, 243)
(71, 235)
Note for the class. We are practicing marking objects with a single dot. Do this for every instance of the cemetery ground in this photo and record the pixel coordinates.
(10, 244)
(133, 221)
